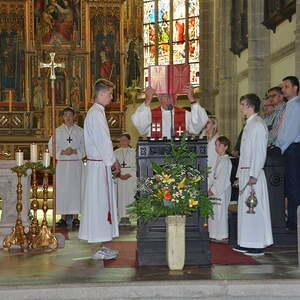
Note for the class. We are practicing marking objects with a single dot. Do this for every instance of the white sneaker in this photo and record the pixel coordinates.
(100, 256)
(108, 251)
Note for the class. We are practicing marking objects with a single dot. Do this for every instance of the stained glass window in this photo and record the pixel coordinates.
(171, 35)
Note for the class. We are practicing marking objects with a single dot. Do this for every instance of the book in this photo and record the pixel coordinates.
(170, 79)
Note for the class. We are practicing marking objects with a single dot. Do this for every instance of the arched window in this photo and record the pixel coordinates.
(171, 35)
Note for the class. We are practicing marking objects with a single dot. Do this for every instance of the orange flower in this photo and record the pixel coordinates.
(167, 195)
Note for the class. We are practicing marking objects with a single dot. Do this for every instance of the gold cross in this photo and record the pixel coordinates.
(179, 131)
(52, 65)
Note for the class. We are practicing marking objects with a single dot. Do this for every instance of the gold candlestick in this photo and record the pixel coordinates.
(45, 238)
(34, 227)
(17, 236)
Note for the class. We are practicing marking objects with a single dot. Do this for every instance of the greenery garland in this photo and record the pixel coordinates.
(29, 165)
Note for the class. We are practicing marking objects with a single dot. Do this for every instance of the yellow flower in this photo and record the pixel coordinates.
(197, 178)
(167, 178)
(181, 184)
(192, 202)
(159, 194)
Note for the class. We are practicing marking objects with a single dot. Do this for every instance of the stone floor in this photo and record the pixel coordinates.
(73, 264)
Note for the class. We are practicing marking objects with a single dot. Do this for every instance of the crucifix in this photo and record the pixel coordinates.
(123, 164)
(53, 65)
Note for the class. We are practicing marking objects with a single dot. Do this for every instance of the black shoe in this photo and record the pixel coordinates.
(61, 224)
(255, 252)
(240, 249)
(75, 223)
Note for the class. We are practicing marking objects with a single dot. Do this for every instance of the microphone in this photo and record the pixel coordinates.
(170, 108)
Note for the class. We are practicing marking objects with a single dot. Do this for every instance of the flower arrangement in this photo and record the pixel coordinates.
(174, 188)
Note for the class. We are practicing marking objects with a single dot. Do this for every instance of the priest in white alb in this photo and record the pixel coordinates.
(99, 220)
(254, 230)
(69, 154)
(168, 120)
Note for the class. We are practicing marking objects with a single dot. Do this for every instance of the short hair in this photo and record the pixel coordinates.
(70, 109)
(252, 100)
(293, 80)
(126, 134)
(276, 89)
(224, 141)
(102, 85)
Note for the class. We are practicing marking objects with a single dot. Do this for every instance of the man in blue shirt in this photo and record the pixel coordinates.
(288, 141)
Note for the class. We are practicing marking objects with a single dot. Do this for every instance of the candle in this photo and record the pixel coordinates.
(20, 158)
(46, 159)
(10, 100)
(33, 153)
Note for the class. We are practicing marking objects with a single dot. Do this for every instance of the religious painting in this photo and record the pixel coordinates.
(106, 56)
(59, 87)
(57, 20)
(12, 66)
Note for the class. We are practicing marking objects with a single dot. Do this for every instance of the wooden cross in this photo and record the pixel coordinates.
(179, 131)
(69, 140)
(52, 65)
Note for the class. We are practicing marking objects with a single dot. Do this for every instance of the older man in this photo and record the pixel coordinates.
(167, 120)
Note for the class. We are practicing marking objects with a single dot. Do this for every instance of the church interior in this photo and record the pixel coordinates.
(232, 47)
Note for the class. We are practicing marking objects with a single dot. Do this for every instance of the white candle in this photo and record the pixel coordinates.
(46, 159)
(19, 158)
(33, 153)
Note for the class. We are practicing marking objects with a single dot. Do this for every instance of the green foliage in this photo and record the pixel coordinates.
(29, 165)
(174, 189)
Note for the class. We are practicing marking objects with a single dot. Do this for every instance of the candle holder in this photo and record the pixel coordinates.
(17, 236)
(34, 226)
(45, 238)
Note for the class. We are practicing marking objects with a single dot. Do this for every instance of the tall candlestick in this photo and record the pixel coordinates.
(33, 153)
(46, 159)
(10, 100)
(19, 158)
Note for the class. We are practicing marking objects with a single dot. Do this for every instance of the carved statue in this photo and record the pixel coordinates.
(38, 96)
(75, 95)
(133, 66)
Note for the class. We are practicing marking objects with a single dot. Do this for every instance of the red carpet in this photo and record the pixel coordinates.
(221, 254)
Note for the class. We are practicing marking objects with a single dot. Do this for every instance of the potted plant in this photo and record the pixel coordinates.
(174, 192)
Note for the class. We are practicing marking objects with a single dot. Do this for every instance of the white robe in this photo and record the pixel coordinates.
(221, 188)
(126, 188)
(254, 230)
(68, 169)
(99, 198)
(195, 120)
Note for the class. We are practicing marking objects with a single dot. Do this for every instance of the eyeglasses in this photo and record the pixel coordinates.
(272, 96)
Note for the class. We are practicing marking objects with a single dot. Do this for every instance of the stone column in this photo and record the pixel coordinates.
(297, 41)
(258, 49)
(226, 103)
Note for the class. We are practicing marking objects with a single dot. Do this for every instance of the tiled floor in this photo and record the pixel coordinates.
(73, 264)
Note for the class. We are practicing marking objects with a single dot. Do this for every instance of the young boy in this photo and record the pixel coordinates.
(220, 188)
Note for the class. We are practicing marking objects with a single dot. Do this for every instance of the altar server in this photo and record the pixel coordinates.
(99, 222)
(220, 188)
(69, 154)
(254, 230)
(127, 180)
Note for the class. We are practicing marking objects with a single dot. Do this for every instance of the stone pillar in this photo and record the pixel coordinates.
(297, 41)
(226, 104)
(258, 49)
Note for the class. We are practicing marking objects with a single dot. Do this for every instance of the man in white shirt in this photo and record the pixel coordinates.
(168, 120)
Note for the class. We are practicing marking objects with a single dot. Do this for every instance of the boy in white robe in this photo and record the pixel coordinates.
(254, 230)
(157, 122)
(126, 181)
(69, 154)
(220, 188)
(99, 221)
